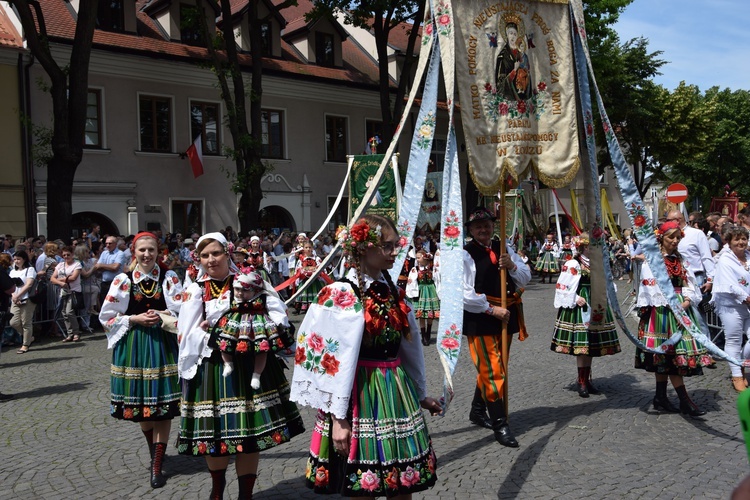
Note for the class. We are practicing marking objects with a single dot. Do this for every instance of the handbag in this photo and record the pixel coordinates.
(76, 301)
(38, 290)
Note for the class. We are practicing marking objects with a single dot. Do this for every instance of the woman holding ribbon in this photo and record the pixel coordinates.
(574, 334)
(658, 323)
(359, 362)
(144, 383)
(225, 416)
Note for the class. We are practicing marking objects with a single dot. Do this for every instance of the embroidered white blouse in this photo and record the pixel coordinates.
(334, 333)
(112, 315)
(731, 282)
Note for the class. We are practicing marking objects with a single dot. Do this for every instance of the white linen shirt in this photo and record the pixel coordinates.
(696, 252)
(477, 302)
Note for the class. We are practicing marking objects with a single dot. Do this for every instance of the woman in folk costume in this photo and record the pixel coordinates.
(568, 250)
(258, 259)
(573, 332)
(359, 363)
(731, 297)
(421, 286)
(224, 416)
(546, 263)
(144, 382)
(307, 263)
(657, 324)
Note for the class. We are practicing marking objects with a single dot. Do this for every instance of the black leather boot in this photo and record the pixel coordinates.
(247, 483)
(500, 424)
(478, 414)
(661, 402)
(218, 483)
(687, 406)
(157, 478)
(581, 382)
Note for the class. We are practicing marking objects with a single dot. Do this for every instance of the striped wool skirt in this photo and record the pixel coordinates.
(225, 416)
(390, 451)
(686, 358)
(572, 336)
(547, 263)
(310, 294)
(144, 383)
(428, 303)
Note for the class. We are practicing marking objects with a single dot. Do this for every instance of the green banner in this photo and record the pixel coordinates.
(514, 217)
(364, 168)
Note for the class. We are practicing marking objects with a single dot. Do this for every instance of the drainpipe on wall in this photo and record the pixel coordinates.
(24, 106)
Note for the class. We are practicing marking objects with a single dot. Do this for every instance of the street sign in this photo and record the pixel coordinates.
(677, 193)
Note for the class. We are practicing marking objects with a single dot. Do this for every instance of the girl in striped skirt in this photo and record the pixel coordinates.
(546, 263)
(144, 383)
(421, 286)
(358, 362)
(574, 333)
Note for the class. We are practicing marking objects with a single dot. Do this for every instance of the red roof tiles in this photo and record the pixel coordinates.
(9, 37)
(149, 41)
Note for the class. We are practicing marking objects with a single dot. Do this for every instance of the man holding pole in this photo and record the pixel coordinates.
(490, 319)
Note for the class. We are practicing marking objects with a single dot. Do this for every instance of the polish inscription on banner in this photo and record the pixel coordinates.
(515, 74)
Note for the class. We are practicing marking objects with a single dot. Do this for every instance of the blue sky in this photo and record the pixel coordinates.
(706, 41)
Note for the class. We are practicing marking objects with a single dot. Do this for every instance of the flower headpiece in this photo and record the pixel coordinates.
(581, 241)
(666, 227)
(361, 236)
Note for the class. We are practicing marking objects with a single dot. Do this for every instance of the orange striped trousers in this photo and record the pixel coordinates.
(486, 353)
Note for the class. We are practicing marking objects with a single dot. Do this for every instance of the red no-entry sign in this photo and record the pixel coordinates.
(677, 193)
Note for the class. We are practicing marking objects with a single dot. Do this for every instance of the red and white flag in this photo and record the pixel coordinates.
(195, 153)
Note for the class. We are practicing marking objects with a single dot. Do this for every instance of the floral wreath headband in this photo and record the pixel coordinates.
(666, 227)
(359, 238)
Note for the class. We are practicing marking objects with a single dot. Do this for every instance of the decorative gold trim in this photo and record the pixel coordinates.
(506, 169)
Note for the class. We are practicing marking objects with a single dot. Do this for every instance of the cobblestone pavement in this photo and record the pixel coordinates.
(60, 442)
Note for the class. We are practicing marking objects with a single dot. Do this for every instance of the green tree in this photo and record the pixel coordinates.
(381, 18)
(240, 102)
(723, 156)
(69, 90)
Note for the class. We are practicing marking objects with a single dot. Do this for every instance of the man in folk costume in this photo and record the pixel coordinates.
(483, 318)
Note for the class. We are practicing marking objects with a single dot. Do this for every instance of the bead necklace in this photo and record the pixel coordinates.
(214, 290)
(674, 266)
(148, 292)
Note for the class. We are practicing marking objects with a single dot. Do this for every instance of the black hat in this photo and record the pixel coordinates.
(479, 214)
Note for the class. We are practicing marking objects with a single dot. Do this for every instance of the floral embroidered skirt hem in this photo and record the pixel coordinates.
(686, 358)
(223, 415)
(428, 304)
(310, 294)
(572, 336)
(390, 452)
(258, 332)
(144, 383)
(547, 263)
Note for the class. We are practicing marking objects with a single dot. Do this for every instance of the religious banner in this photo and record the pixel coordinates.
(516, 83)
(727, 207)
(363, 170)
(429, 212)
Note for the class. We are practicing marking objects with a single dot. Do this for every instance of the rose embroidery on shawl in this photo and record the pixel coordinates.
(330, 364)
(315, 342)
(344, 299)
(316, 354)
